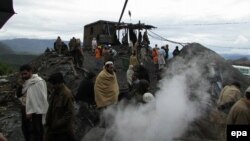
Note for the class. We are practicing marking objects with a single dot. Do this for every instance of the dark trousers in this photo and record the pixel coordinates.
(61, 137)
(32, 129)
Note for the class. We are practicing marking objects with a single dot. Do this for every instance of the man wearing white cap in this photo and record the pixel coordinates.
(240, 112)
(106, 87)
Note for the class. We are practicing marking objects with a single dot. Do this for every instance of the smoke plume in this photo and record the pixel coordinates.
(181, 99)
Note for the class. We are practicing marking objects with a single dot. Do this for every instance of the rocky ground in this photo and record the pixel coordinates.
(10, 123)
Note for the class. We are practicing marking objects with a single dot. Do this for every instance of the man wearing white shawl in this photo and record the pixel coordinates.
(35, 103)
(130, 73)
(161, 58)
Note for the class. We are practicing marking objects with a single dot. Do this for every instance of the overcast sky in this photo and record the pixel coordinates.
(222, 25)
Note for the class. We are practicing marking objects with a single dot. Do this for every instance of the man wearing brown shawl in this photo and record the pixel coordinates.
(106, 87)
(228, 96)
(240, 112)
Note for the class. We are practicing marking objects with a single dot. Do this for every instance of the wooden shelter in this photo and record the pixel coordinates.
(105, 31)
(102, 30)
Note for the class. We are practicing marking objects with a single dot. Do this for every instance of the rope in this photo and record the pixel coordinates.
(209, 24)
(164, 39)
(157, 38)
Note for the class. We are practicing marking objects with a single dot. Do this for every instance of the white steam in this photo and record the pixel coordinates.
(182, 98)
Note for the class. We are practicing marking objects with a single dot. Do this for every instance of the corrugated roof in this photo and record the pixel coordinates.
(123, 25)
(100, 21)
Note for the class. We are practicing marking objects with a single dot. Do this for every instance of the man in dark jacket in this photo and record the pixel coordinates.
(59, 119)
(166, 49)
(85, 91)
(142, 72)
(176, 51)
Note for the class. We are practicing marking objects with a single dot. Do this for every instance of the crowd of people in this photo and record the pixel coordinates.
(50, 117)
(140, 53)
(73, 49)
(104, 52)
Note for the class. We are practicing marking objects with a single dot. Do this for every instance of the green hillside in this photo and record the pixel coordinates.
(5, 69)
(16, 60)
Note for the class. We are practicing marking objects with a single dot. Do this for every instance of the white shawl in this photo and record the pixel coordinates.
(35, 90)
(130, 74)
(161, 57)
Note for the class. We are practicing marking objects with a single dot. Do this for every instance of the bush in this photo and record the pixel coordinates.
(5, 69)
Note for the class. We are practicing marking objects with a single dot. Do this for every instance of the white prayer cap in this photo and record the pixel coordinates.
(109, 63)
(147, 97)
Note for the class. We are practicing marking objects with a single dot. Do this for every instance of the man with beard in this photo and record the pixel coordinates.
(106, 87)
(34, 104)
(106, 92)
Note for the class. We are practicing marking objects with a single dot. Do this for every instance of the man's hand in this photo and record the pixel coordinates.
(2, 138)
(29, 117)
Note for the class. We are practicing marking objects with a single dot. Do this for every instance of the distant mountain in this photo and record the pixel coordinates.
(29, 46)
(5, 49)
(17, 59)
(235, 56)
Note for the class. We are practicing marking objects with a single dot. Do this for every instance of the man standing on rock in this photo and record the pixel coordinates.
(106, 87)
(176, 51)
(78, 54)
(58, 45)
(59, 119)
(35, 105)
(106, 92)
